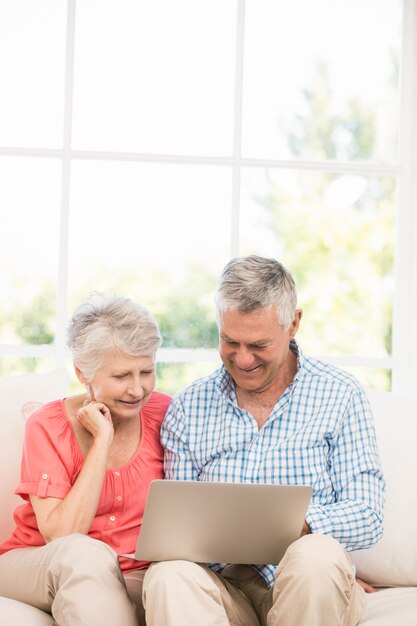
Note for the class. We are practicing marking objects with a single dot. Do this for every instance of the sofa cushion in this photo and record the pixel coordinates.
(13, 613)
(16, 391)
(393, 561)
(391, 607)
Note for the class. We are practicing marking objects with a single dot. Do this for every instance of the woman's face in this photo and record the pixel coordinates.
(123, 383)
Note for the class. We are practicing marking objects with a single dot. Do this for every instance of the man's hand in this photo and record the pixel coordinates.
(366, 586)
(306, 530)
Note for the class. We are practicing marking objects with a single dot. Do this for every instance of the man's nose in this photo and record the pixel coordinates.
(244, 359)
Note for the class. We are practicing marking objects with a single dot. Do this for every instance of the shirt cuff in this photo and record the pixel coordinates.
(43, 489)
(318, 521)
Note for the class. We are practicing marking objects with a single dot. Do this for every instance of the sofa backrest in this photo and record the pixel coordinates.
(393, 561)
(15, 392)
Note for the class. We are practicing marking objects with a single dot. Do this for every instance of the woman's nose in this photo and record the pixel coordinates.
(135, 387)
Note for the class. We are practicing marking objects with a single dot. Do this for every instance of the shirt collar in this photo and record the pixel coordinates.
(225, 382)
(295, 349)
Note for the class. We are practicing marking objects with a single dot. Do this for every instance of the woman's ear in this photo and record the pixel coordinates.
(80, 375)
(83, 380)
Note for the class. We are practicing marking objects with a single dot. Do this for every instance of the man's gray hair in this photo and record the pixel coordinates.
(254, 283)
(106, 322)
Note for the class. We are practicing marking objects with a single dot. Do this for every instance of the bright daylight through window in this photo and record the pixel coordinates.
(142, 144)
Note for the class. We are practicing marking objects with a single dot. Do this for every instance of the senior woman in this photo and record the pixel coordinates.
(87, 464)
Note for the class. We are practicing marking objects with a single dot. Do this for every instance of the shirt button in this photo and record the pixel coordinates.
(44, 476)
(119, 498)
(112, 518)
(117, 473)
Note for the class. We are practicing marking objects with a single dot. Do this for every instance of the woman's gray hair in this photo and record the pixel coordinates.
(106, 322)
(254, 283)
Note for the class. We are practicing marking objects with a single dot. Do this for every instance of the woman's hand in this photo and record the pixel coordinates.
(95, 417)
(366, 586)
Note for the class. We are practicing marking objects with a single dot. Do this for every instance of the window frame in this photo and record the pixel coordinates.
(403, 362)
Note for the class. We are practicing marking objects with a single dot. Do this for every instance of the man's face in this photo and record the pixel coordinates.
(254, 347)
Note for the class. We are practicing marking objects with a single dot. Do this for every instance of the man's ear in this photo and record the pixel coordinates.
(295, 324)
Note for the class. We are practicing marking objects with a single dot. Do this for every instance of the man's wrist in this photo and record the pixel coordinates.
(306, 530)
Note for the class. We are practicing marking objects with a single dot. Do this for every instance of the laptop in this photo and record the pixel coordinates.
(208, 522)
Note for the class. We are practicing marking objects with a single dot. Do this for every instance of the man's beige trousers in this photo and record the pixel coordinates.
(315, 586)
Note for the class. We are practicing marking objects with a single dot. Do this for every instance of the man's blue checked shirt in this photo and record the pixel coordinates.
(320, 433)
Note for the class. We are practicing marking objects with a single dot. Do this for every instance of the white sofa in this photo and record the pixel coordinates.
(15, 393)
(391, 564)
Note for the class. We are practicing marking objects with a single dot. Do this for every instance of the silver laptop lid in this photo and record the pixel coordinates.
(209, 522)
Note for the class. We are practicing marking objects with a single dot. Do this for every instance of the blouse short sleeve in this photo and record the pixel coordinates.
(49, 465)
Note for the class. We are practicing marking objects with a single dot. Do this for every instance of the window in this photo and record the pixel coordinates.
(144, 144)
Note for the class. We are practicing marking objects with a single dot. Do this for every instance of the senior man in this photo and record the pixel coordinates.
(270, 414)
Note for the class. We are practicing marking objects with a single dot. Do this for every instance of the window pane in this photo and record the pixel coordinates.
(15, 366)
(321, 79)
(155, 76)
(172, 377)
(32, 63)
(29, 226)
(378, 379)
(336, 235)
(157, 233)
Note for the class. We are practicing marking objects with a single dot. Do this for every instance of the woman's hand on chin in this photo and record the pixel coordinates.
(95, 417)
